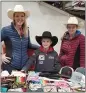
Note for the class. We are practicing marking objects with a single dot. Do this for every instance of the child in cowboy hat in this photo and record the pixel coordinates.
(45, 58)
(72, 52)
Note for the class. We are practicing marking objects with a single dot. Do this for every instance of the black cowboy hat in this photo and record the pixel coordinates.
(47, 34)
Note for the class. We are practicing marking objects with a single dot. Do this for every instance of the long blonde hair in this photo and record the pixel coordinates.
(24, 27)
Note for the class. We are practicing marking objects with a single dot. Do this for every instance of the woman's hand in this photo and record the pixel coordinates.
(63, 60)
(5, 59)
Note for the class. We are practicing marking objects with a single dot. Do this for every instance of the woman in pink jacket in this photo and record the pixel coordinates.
(72, 52)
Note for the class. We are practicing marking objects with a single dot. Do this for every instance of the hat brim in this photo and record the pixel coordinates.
(71, 80)
(54, 40)
(76, 84)
(10, 13)
(80, 25)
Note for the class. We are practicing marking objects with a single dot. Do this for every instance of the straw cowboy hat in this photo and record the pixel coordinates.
(73, 20)
(17, 8)
(47, 34)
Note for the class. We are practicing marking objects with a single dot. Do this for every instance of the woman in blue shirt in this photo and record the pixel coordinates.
(17, 40)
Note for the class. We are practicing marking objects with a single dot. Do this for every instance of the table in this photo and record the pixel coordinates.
(35, 83)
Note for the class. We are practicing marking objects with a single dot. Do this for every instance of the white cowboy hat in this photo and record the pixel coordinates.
(72, 20)
(17, 8)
